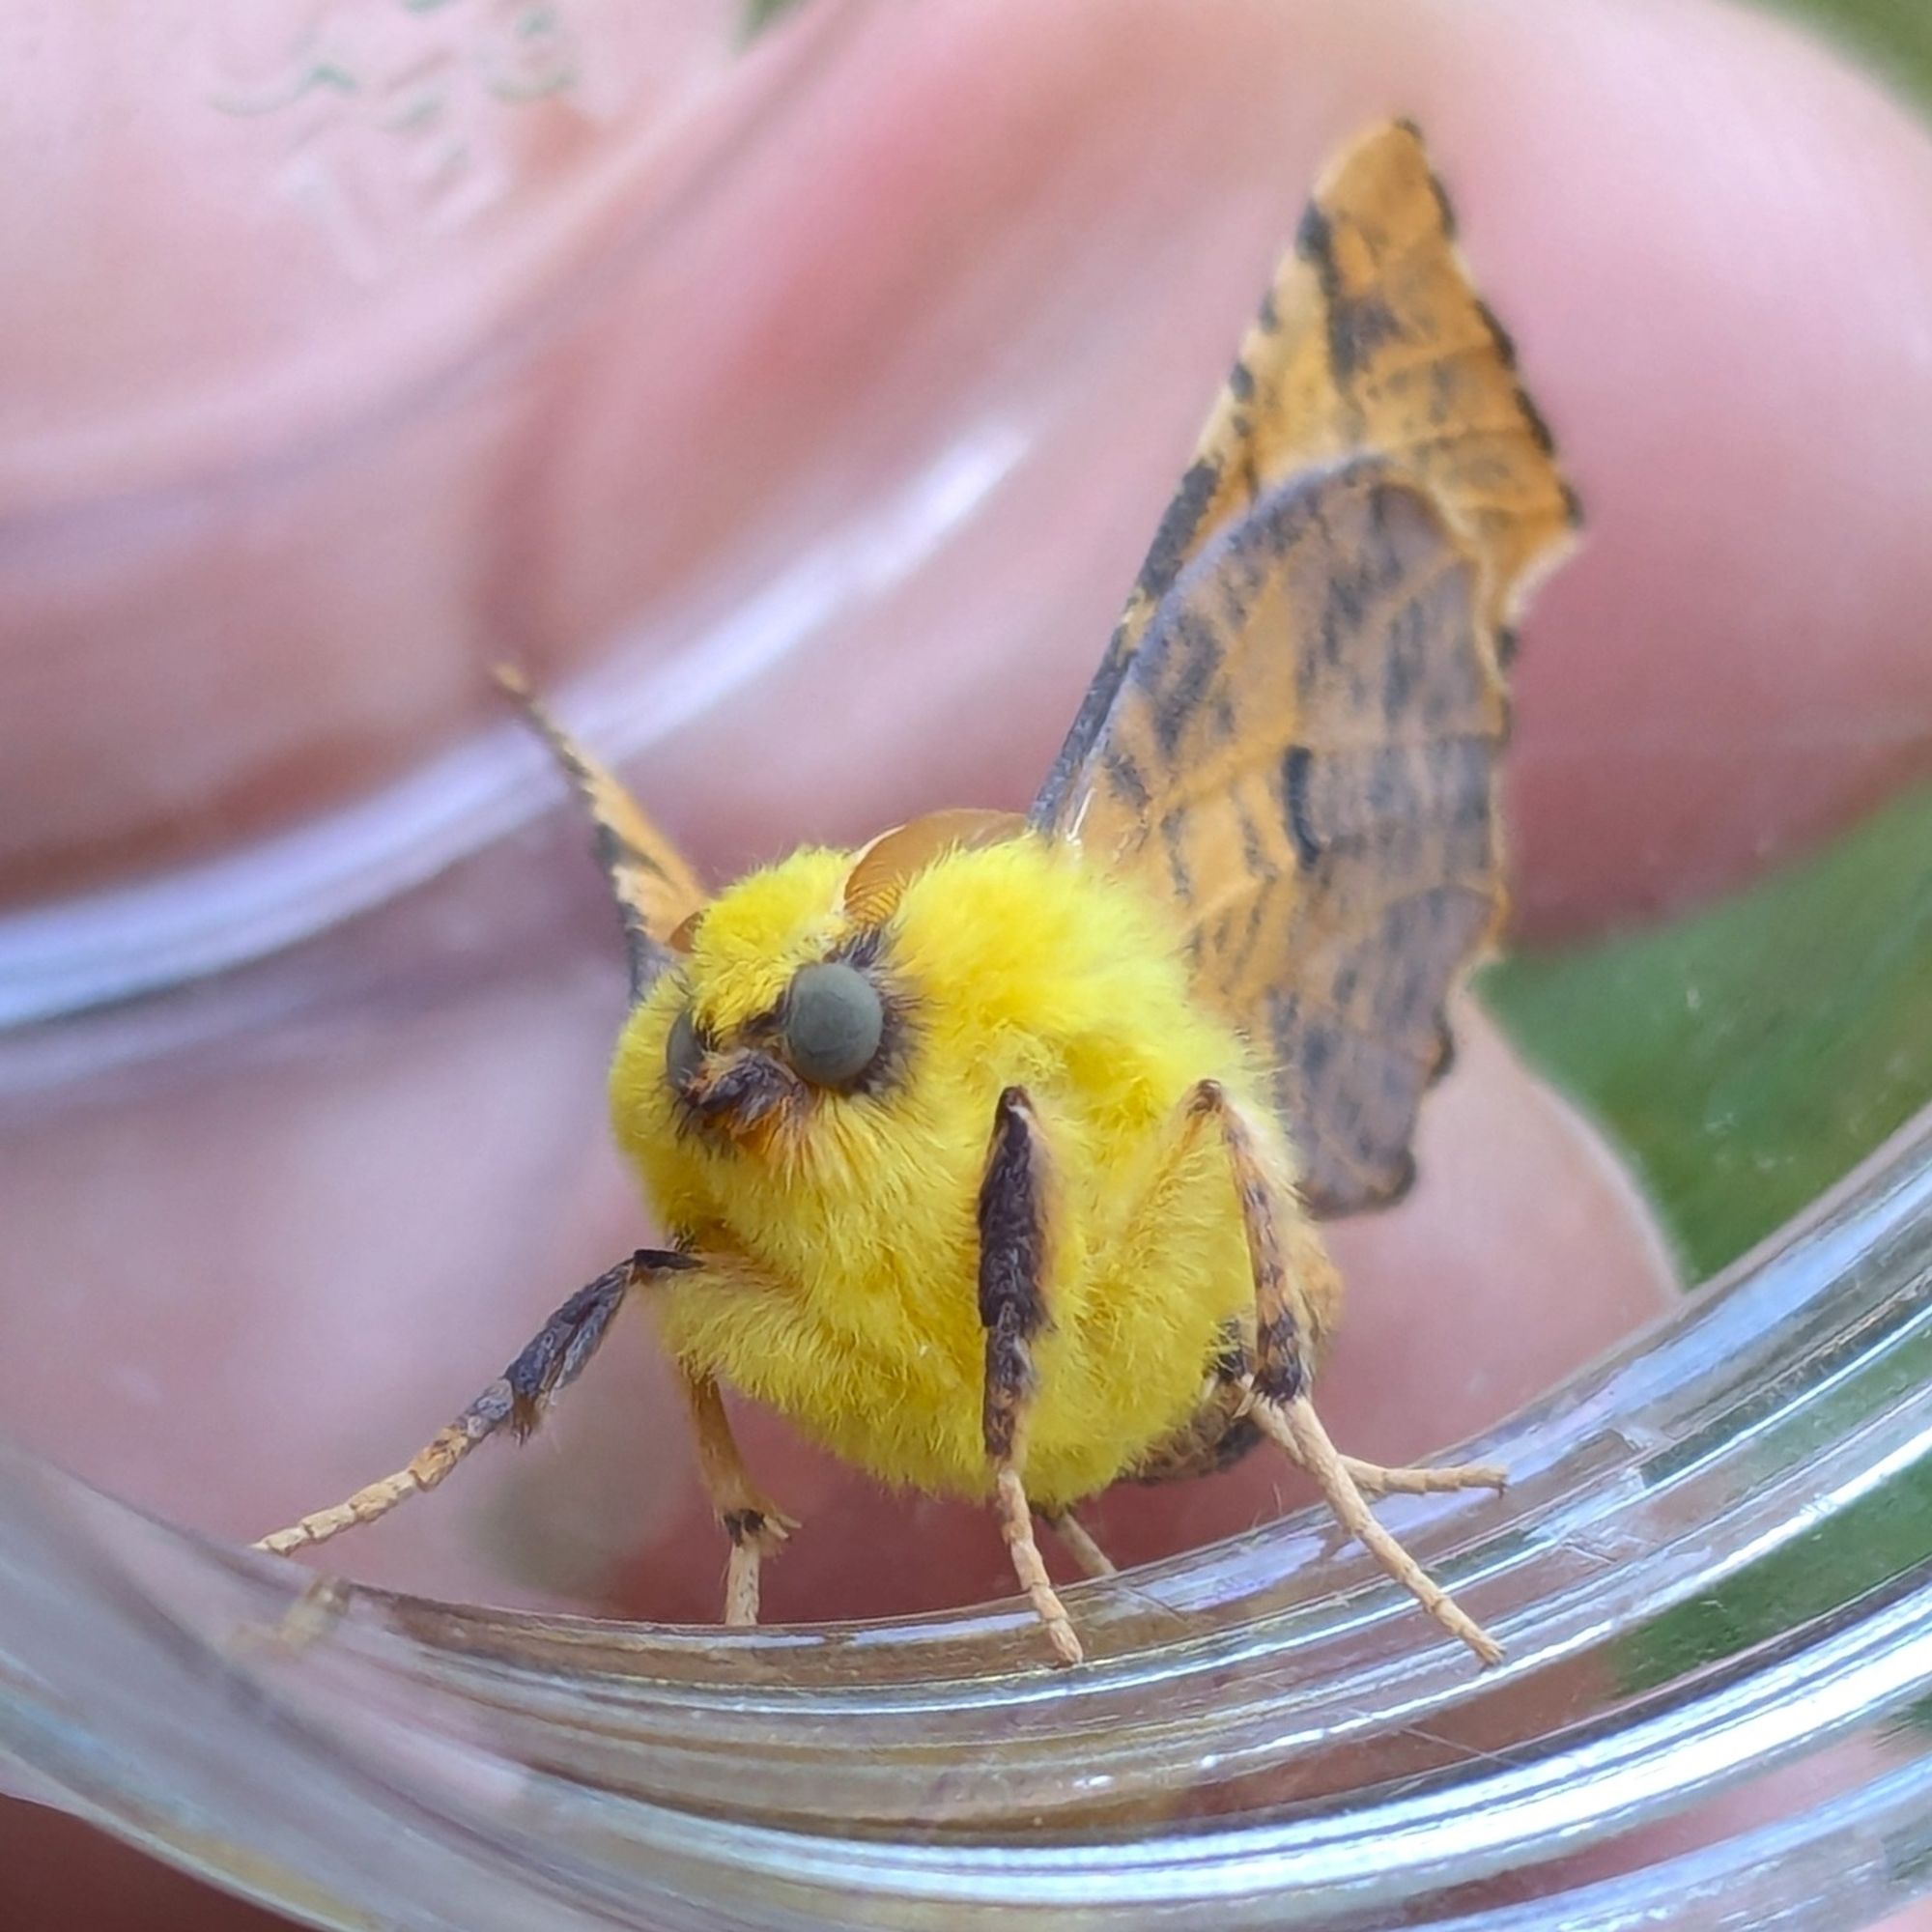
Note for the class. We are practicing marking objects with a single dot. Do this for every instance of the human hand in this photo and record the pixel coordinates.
(1031, 239)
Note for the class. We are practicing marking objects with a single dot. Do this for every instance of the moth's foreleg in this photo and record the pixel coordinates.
(755, 1526)
(1292, 1272)
(1015, 1231)
(517, 1399)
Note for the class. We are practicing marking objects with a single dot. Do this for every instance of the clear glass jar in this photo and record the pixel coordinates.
(1702, 1721)
(737, 391)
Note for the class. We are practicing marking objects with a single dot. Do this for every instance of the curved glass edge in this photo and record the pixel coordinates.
(1712, 1573)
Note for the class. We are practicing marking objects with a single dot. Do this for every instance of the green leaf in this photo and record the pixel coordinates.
(759, 14)
(1895, 35)
(1748, 1057)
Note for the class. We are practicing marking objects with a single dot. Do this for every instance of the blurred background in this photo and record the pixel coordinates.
(794, 390)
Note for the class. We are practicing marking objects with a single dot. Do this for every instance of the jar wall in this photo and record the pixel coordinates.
(798, 414)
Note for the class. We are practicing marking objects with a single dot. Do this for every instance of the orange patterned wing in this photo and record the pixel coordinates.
(657, 892)
(1295, 732)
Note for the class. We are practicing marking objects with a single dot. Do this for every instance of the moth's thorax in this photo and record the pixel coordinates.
(1011, 964)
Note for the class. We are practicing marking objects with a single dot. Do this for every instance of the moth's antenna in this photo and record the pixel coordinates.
(654, 889)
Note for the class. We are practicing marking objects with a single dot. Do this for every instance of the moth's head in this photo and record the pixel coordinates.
(798, 999)
(778, 1001)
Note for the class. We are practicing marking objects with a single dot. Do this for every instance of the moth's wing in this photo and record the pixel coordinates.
(1294, 734)
(1301, 759)
(1372, 340)
(654, 889)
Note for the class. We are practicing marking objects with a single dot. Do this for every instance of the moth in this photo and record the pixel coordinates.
(994, 1152)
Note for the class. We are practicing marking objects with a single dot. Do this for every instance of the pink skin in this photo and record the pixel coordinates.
(1715, 247)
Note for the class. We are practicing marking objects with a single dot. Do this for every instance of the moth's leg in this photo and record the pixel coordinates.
(1221, 1431)
(756, 1527)
(1378, 1479)
(1015, 1228)
(517, 1399)
(1078, 1543)
(1292, 1268)
(1296, 1429)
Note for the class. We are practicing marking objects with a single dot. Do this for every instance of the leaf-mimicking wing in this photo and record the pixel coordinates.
(1295, 734)
(1300, 758)
(656, 890)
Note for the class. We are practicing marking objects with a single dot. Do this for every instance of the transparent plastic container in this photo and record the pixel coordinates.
(1698, 1725)
(757, 428)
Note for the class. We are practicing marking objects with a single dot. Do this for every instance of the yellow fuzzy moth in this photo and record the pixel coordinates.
(992, 1153)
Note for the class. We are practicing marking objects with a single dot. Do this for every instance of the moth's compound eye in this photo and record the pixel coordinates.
(832, 1022)
(684, 1052)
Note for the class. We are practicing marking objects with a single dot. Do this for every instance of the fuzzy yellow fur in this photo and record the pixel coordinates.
(841, 1288)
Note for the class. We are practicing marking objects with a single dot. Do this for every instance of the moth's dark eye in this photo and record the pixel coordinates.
(832, 1023)
(684, 1052)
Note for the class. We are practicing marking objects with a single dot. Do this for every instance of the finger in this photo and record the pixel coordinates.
(357, 1144)
(1734, 664)
(893, 415)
